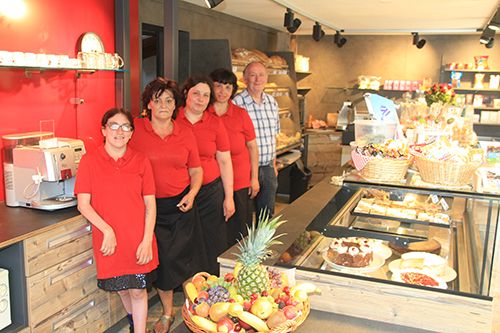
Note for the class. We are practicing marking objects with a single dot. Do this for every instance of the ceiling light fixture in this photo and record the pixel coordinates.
(419, 43)
(487, 35)
(339, 39)
(490, 44)
(495, 21)
(318, 33)
(291, 24)
(213, 3)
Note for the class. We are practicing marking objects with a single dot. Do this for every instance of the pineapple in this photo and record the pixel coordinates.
(252, 277)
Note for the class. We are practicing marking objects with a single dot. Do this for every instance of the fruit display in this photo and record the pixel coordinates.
(252, 298)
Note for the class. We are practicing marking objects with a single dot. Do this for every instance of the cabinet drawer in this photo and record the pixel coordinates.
(90, 315)
(54, 246)
(60, 286)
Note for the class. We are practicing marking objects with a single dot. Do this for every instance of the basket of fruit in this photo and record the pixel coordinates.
(252, 298)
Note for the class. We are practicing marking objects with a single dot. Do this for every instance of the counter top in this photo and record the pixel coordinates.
(19, 223)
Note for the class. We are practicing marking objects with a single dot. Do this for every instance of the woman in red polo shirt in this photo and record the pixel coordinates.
(244, 151)
(173, 153)
(215, 199)
(124, 245)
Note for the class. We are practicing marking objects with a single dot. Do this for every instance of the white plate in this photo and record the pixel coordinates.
(382, 250)
(448, 275)
(396, 276)
(376, 263)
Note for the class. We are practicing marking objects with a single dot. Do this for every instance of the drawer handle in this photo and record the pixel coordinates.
(72, 315)
(67, 272)
(68, 237)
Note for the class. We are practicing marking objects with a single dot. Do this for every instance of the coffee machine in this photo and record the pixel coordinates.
(40, 170)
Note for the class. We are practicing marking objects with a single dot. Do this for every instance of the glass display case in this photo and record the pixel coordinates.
(397, 252)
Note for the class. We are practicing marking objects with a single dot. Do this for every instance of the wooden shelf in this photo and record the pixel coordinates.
(486, 108)
(303, 90)
(473, 70)
(476, 90)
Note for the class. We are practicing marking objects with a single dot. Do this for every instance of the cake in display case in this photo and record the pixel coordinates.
(384, 250)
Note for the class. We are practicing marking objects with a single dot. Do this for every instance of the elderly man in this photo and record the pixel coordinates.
(263, 110)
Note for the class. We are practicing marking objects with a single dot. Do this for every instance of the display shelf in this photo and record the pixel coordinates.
(303, 90)
(30, 70)
(403, 220)
(285, 112)
(285, 149)
(486, 108)
(476, 90)
(473, 70)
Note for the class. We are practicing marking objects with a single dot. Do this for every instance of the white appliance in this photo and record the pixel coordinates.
(42, 175)
(5, 319)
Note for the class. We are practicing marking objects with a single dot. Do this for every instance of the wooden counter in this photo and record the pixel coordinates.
(18, 224)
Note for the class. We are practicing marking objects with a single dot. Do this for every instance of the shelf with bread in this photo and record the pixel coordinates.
(397, 245)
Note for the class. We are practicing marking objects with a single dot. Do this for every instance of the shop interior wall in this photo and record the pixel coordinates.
(53, 27)
(390, 57)
(204, 23)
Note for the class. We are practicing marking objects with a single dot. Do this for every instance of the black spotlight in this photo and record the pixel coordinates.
(318, 33)
(490, 44)
(339, 39)
(487, 35)
(290, 23)
(495, 21)
(213, 3)
(417, 41)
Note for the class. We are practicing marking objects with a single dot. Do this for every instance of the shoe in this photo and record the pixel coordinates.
(163, 324)
(130, 322)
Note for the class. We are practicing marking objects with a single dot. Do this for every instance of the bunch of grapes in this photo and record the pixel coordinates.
(217, 294)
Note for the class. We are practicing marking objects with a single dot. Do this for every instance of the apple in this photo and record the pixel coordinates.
(244, 325)
(225, 325)
(262, 308)
(290, 311)
(229, 277)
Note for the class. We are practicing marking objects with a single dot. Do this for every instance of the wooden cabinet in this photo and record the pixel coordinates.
(62, 291)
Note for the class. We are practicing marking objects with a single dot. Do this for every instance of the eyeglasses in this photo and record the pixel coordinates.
(116, 127)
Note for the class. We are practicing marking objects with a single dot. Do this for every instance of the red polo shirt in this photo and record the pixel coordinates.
(170, 157)
(240, 130)
(117, 190)
(211, 137)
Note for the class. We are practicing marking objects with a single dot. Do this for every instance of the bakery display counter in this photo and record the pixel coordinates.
(395, 252)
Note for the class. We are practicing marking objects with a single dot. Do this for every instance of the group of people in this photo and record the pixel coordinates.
(168, 193)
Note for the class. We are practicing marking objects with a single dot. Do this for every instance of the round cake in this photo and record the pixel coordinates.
(350, 252)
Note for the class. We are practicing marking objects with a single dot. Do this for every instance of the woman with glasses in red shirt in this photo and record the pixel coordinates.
(124, 244)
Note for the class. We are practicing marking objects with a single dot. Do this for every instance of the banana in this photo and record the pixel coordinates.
(191, 291)
(204, 323)
(253, 321)
(307, 287)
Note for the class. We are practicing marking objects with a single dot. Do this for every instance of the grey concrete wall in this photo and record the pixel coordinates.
(391, 57)
(204, 23)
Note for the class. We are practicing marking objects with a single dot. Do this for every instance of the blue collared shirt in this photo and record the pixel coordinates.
(265, 119)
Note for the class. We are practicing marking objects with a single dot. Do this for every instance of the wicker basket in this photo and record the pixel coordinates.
(287, 326)
(385, 169)
(446, 172)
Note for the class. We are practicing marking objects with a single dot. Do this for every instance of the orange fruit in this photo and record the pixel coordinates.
(202, 309)
(198, 281)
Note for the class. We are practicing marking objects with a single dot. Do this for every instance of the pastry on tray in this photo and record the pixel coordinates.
(430, 246)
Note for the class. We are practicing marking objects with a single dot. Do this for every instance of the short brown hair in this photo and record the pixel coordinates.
(193, 81)
(113, 112)
(155, 88)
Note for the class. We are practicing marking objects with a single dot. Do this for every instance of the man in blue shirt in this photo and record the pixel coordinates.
(263, 110)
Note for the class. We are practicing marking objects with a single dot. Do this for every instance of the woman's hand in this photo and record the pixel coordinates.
(228, 208)
(254, 188)
(144, 253)
(186, 202)
(108, 242)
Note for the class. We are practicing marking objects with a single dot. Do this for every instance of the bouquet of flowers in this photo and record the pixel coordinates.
(442, 92)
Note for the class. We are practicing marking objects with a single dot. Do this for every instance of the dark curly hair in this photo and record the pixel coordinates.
(193, 81)
(225, 76)
(155, 88)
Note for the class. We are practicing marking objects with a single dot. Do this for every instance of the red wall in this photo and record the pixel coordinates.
(53, 27)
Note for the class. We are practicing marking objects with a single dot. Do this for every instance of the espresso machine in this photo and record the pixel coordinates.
(40, 170)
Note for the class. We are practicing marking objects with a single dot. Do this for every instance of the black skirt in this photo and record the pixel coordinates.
(130, 281)
(237, 224)
(181, 249)
(210, 201)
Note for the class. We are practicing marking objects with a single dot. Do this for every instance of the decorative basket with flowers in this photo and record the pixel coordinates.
(441, 92)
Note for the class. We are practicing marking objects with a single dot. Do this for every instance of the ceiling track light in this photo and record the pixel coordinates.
(290, 23)
(486, 36)
(490, 43)
(213, 3)
(417, 41)
(339, 39)
(495, 21)
(318, 33)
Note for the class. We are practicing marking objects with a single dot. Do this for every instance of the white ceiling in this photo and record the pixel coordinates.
(367, 16)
